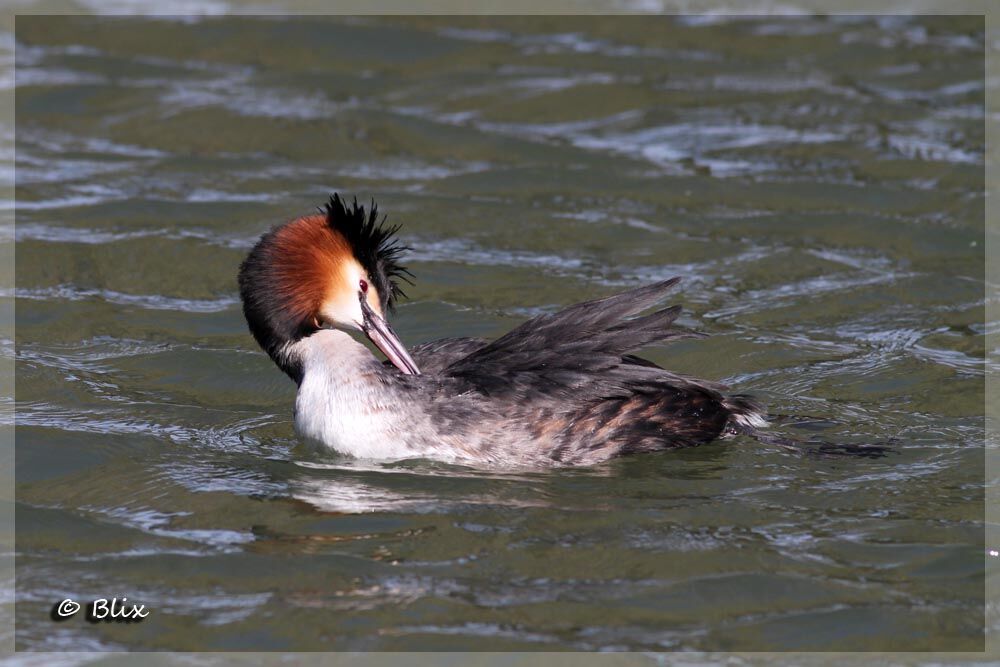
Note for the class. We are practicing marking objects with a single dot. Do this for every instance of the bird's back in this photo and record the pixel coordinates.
(562, 388)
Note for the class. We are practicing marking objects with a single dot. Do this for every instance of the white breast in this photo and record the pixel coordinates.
(340, 403)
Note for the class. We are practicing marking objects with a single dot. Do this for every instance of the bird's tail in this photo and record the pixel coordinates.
(745, 413)
(747, 417)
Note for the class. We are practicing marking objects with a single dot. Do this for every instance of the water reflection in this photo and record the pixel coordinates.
(358, 486)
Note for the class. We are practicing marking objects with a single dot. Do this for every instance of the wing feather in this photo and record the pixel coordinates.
(581, 347)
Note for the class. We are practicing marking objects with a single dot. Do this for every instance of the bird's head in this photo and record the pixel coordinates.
(338, 269)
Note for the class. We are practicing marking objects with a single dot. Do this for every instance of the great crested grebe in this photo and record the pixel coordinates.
(560, 389)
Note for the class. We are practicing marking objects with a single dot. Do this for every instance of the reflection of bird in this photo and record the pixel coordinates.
(560, 389)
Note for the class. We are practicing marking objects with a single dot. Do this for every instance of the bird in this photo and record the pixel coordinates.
(561, 389)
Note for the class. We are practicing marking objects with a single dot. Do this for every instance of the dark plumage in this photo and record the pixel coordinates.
(567, 377)
(269, 310)
(374, 245)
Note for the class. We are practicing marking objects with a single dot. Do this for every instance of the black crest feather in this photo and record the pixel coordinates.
(374, 244)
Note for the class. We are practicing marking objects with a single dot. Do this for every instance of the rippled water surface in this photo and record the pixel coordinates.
(817, 182)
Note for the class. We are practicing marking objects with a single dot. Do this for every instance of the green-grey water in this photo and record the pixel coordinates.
(816, 181)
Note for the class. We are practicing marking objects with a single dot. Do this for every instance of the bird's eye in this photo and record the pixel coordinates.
(364, 286)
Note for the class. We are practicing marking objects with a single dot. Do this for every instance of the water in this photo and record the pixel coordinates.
(817, 182)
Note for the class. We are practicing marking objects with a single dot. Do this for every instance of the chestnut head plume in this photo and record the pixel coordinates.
(340, 268)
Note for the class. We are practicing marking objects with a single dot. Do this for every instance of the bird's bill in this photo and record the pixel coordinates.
(385, 339)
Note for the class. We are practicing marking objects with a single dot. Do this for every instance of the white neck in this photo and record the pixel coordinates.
(344, 402)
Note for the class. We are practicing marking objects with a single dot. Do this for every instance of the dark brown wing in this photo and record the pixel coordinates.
(644, 421)
(583, 346)
(567, 382)
(434, 356)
